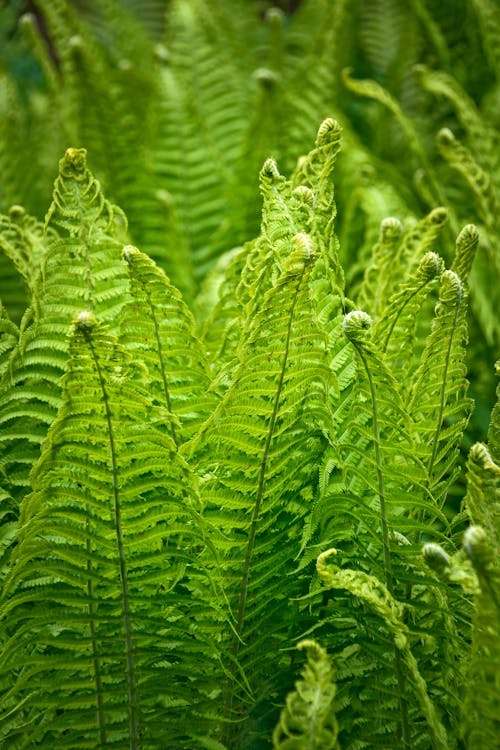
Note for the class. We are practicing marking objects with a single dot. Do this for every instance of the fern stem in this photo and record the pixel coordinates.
(403, 705)
(240, 615)
(127, 625)
(444, 383)
(95, 651)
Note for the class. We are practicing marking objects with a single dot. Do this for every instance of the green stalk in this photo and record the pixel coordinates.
(127, 625)
(403, 704)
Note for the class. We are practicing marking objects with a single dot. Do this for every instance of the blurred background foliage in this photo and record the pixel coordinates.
(179, 102)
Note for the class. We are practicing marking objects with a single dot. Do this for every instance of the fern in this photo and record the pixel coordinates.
(308, 721)
(177, 450)
(72, 266)
(98, 543)
(282, 381)
(380, 599)
(159, 330)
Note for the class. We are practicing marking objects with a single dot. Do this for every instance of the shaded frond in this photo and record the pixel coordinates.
(308, 720)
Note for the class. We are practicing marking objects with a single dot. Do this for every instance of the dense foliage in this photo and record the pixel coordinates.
(247, 380)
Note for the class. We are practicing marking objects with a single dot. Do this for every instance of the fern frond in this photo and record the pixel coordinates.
(494, 429)
(482, 500)
(481, 137)
(254, 468)
(201, 127)
(92, 608)
(24, 242)
(378, 598)
(489, 21)
(478, 179)
(158, 329)
(81, 265)
(308, 721)
(373, 90)
(481, 709)
(438, 398)
(396, 331)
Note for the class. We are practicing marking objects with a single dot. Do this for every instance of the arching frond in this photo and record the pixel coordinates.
(78, 263)
(91, 606)
(380, 600)
(438, 397)
(253, 469)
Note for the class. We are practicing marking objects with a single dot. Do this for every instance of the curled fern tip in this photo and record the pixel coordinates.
(73, 161)
(436, 558)
(356, 325)
(85, 321)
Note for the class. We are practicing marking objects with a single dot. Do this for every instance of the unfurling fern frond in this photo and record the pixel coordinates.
(379, 599)
(76, 264)
(438, 398)
(308, 721)
(481, 709)
(97, 639)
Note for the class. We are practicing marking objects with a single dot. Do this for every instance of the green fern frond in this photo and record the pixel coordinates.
(479, 134)
(158, 329)
(438, 398)
(465, 252)
(494, 429)
(378, 598)
(482, 500)
(9, 335)
(481, 710)
(311, 64)
(202, 121)
(79, 264)
(478, 179)
(92, 604)
(373, 90)
(489, 21)
(274, 413)
(308, 721)
(396, 331)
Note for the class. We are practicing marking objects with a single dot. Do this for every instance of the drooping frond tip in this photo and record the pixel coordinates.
(436, 558)
(431, 266)
(390, 229)
(477, 548)
(270, 171)
(465, 250)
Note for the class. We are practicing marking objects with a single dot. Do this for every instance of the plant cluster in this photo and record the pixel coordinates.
(236, 419)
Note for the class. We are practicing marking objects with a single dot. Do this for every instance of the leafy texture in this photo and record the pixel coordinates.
(101, 540)
(308, 720)
(233, 346)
